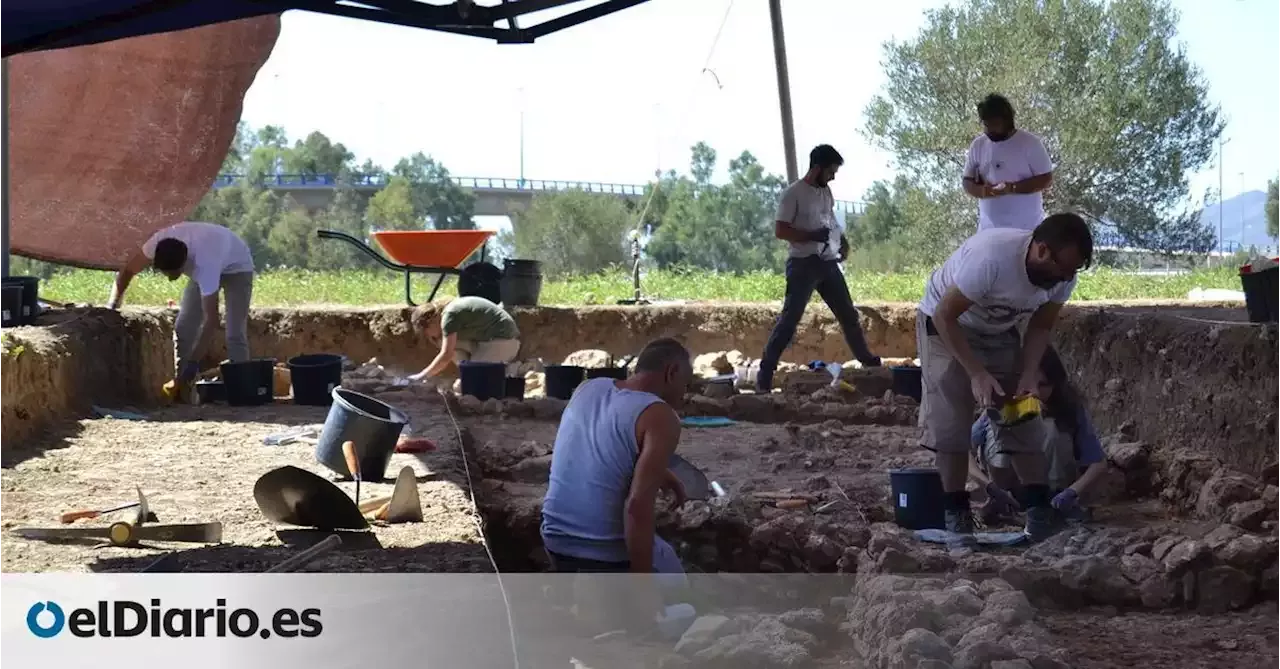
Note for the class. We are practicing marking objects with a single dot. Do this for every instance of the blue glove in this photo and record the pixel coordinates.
(1065, 500)
(189, 371)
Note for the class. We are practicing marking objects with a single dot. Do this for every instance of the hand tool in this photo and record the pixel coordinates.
(305, 557)
(696, 485)
(72, 516)
(298, 497)
(131, 534)
(353, 465)
(1016, 411)
(405, 505)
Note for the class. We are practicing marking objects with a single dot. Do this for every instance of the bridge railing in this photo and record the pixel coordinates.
(323, 181)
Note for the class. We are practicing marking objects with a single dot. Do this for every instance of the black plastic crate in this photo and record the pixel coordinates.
(1261, 294)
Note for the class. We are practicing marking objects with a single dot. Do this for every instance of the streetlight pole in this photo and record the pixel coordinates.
(1221, 242)
(784, 89)
(1242, 211)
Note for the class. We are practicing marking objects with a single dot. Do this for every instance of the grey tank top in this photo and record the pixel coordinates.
(591, 468)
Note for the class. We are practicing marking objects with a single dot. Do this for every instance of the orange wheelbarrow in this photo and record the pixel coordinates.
(420, 252)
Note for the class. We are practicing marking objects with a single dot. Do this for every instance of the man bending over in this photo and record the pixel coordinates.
(970, 351)
(610, 458)
(215, 259)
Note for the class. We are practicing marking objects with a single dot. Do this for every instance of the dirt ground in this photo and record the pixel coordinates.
(199, 464)
(1104, 639)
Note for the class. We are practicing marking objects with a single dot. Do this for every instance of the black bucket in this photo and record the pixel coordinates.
(563, 379)
(483, 380)
(249, 383)
(521, 283)
(374, 426)
(29, 304)
(314, 377)
(211, 391)
(515, 387)
(918, 500)
(619, 373)
(906, 381)
(12, 307)
(481, 279)
(1261, 294)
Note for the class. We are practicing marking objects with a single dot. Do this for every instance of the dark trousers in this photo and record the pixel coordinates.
(805, 275)
(567, 564)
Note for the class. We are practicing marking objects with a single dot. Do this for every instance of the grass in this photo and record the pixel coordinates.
(367, 287)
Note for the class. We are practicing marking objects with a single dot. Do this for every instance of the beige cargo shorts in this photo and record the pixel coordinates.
(947, 407)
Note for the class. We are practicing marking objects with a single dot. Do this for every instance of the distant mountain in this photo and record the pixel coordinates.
(1244, 220)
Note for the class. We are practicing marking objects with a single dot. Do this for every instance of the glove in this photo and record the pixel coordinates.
(1002, 497)
(1065, 500)
(190, 370)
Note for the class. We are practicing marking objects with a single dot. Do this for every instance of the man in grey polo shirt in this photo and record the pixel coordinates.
(806, 219)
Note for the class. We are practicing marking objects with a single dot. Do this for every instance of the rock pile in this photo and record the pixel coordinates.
(902, 621)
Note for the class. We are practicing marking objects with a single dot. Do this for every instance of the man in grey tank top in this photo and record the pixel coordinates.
(609, 462)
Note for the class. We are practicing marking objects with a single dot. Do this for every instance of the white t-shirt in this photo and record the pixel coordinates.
(1019, 157)
(807, 208)
(990, 268)
(212, 250)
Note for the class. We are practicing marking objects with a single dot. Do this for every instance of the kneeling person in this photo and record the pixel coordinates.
(471, 329)
(1073, 454)
(610, 459)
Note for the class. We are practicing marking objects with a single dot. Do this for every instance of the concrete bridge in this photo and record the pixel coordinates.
(494, 196)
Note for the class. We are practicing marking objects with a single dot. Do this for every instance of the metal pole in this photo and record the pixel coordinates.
(4, 165)
(1221, 241)
(522, 137)
(784, 89)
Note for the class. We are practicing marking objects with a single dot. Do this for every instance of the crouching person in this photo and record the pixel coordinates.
(471, 329)
(1073, 455)
(610, 459)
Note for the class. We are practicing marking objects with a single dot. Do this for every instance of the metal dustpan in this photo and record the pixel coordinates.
(696, 484)
(297, 497)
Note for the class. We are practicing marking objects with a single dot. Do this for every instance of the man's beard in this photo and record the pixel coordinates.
(1042, 279)
(1000, 136)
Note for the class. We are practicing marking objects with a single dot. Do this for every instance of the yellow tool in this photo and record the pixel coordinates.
(1019, 410)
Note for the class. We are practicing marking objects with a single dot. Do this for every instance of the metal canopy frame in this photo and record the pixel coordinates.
(460, 17)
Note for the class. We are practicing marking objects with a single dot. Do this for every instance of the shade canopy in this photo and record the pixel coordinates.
(36, 25)
(122, 137)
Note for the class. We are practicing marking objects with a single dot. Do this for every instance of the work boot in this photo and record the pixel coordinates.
(960, 525)
(1041, 523)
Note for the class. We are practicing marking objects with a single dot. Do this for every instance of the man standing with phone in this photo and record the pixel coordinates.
(806, 219)
(1007, 169)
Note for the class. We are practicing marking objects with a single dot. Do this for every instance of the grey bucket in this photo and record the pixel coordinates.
(373, 425)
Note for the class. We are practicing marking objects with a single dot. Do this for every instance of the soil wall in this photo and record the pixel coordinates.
(77, 359)
(1179, 374)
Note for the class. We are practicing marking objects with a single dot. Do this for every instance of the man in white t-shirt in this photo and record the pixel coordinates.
(806, 219)
(213, 258)
(967, 337)
(1008, 169)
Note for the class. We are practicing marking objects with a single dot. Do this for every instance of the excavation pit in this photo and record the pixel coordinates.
(1184, 541)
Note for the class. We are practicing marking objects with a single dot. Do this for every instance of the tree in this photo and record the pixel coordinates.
(435, 196)
(573, 232)
(1271, 207)
(723, 228)
(318, 155)
(392, 207)
(1123, 112)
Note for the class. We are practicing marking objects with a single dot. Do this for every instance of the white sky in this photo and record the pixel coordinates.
(615, 98)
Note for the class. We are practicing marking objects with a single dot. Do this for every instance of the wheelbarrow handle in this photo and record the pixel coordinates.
(342, 236)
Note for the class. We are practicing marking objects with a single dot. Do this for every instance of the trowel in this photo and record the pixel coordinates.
(403, 506)
(696, 484)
